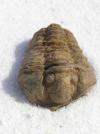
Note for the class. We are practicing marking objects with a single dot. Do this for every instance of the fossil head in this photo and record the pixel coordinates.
(60, 83)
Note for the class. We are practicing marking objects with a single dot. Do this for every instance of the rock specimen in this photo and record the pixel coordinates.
(54, 71)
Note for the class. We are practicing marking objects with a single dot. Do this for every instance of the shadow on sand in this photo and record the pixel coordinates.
(10, 84)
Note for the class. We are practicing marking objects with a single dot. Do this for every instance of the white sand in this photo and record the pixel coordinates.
(19, 20)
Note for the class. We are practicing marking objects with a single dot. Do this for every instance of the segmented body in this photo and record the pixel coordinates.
(51, 47)
(53, 50)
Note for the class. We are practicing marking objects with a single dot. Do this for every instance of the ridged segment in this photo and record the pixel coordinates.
(57, 52)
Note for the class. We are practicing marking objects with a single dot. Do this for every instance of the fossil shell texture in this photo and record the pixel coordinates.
(54, 71)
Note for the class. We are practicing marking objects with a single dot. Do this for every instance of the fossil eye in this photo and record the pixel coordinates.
(74, 79)
(50, 78)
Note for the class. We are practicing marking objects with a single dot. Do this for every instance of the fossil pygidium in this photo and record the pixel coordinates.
(54, 71)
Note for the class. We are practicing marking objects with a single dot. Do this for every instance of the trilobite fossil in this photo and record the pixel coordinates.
(54, 71)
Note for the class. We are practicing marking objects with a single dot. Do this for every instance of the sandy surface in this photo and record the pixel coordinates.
(19, 20)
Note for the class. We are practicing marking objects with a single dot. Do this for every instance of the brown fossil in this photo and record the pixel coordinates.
(54, 71)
